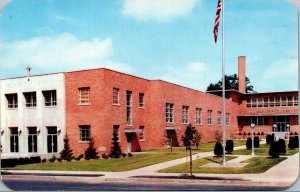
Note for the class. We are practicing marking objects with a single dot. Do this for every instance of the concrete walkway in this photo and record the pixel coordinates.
(285, 173)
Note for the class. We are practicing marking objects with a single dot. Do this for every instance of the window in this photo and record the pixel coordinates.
(227, 118)
(129, 107)
(14, 140)
(84, 95)
(169, 113)
(185, 114)
(248, 102)
(52, 139)
(266, 102)
(283, 101)
(141, 133)
(141, 100)
(115, 96)
(85, 132)
(30, 99)
(12, 100)
(32, 139)
(290, 101)
(277, 101)
(219, 118)
(254, 102)
(198, 116)
(260, 102)
(116, 130)
(272, 101)
(295, 100)
(50, 98)
(209, 117)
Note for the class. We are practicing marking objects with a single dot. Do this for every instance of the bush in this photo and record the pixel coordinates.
(240, 133)
(104, 156)
(77, 158)
(115, 151)
(274, 149)
(256, 142)
(269, 139)
(258, 133)
(124, 155)
(53, 159)
(296, 142)
(282, 146)
(59, 159)
(229, 146)
(292, 143)
(80, 156)
(130, 155)
(90, 152)
(296, 133)
(249, 143)
(35, 159)
(218, 151)
(262, 133)
(291, 133)
(44, 160)
(66, 153)
(249, 133)
(244, 133)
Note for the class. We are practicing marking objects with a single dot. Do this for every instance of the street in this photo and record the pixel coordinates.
(96, 184)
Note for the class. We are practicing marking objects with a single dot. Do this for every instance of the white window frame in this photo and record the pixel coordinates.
(86, 129)
(141, 100)
(84, 99)
(129, 118)
(169, 113)
(198, 116)
(12, 100)
(116, 96)
(209, 117)
(32, 99)
(53, 98)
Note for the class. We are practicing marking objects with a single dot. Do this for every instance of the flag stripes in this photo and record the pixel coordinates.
(217, 20)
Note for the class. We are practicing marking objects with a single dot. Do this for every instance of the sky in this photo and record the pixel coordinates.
(170, 40)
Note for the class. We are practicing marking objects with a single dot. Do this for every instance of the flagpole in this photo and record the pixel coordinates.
(224, 163)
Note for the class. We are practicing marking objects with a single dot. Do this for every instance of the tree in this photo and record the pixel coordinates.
(274, 149)
(197, 138)
(256, 142)
(282, 146)
(249, 143)
(218, 135)
(115, 151)
(90, 152)
(66, 153)
(229, 146)
(231, 82)
(187, 140)
(169, 139)
(292, 143)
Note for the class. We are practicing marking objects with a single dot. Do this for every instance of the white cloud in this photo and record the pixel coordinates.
(62, 18)
(283, 69)
(3, 3)
(158, 10)
(60, 53)
(192, 75)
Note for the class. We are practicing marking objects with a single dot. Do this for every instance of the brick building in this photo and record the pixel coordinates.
(143, 112)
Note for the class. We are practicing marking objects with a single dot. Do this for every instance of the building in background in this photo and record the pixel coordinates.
(32, 115)
(36, 114)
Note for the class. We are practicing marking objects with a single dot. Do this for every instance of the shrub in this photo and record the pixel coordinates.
(97, 157)
(80, 156)
(66, 153)
(253, 133)
(104, 156)
(249, 133)
(77, 159)
(124, 155)
(59, 159)
(296, 133)
(244, 133)
(115, 151)
(292, 143)
(44, 160)
(90, 152)
(130, 155)
(281, 146)
(240, 133)
(274, 149)
(258, 133)
(68, 159)
(35, 159)
(229, 146)
(218, 151)
(53, 159)
(291, 133)
(249, 143)
(269, 139)
(296, 142)
(256, 142)
(262, 133)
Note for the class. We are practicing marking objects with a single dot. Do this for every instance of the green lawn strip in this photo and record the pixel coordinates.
(122, 164)
(203, 147)
(263, 150)
(256, 165)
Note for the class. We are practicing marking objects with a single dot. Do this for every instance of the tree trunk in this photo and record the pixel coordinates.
(191, 164)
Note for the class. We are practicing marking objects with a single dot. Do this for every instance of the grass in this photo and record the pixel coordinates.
(263, 150)
(203, 147)
(256, 165)
(113, 165)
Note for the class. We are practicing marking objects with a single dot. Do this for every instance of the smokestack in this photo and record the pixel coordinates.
(242, 74)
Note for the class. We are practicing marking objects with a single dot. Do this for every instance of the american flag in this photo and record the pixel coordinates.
(217, 20)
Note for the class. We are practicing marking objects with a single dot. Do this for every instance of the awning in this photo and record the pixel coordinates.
(173, 128)
(133, 131)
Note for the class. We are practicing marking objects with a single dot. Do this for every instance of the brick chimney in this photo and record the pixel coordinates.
(242, 74)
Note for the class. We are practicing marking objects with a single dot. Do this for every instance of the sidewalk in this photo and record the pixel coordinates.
(284, 173)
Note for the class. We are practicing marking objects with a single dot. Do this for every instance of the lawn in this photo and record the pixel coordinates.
(203, 147)
(122, 164)
(256, 165)
(263, 150)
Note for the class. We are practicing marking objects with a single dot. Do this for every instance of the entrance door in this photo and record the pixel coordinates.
(52, 139)
(129, 143)
(281, 122)
(14, 140)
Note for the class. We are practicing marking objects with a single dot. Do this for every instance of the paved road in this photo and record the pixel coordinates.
(46, 185)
